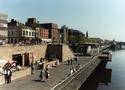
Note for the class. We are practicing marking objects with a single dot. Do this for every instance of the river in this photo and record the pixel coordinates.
(109, 77)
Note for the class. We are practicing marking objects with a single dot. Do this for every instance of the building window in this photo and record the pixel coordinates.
(8, 33)
(27, 33)
(23, 33)
(12, 33)
(32, 34)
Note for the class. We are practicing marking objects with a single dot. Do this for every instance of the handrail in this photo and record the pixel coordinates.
(73, 73)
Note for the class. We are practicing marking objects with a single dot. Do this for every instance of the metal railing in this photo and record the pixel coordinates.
(64, 82)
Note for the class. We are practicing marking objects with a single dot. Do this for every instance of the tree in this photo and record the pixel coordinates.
(83, 40)
(72, 39)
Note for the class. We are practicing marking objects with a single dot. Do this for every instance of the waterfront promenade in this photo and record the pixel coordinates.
(32, 82)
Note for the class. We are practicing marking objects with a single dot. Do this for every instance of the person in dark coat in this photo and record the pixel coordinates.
(47, 74)
(76, 59)
(32, 68)
(5, 75)
(9, 72)
(68, 61)
(71, 61)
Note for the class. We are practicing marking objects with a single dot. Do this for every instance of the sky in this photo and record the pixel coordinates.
(101, 18)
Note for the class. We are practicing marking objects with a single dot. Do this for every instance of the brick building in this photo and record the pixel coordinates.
(3, 29)
(53, 31)
(43, 33)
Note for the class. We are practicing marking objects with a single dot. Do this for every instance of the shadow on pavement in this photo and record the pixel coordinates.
(38, 81)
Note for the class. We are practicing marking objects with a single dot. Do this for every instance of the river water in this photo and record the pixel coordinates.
(109, 77)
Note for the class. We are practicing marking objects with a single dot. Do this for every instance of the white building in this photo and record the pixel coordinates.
(17, 34)
(3, 29)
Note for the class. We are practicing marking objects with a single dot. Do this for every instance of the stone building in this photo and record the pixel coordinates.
(64, 34)
(31, 22)
(19, 33)
(53, 31)
(3, 29)
(42, 33)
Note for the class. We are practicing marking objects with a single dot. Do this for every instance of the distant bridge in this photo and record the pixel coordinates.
(118, 45)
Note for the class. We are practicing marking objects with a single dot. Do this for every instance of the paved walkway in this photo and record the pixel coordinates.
(32, 82)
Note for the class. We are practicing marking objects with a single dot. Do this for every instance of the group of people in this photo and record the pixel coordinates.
(70, 61)
(74, 69)
(44, 74)
(7, 75)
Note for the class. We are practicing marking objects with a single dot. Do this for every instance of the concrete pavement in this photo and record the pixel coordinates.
(32, 82)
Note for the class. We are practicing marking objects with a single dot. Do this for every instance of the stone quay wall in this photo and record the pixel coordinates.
(6, 52)
(67, 52)
(40, 51)
(75, 81)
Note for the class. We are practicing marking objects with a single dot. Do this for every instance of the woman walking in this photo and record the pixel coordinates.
(41, 76)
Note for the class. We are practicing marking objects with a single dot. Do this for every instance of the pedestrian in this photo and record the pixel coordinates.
(77, 68)
(46, 74)
(76, 59)
(9, 72)
(41, 75)
(74, 69)
(47, 67)
(68, 61)
(71, 61)
(79, 65)
(32, 68)
(71, 71)
(5, 75)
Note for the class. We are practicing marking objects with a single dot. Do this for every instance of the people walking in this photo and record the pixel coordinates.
(71, 61)
(9, 74)
(47, 74)
(76, 59)
(32, 68)
(68, 61)
(41, 75)
(74, 69)
(5, 75)
(71, 71)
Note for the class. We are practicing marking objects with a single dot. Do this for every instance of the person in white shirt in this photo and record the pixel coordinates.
(5, 75)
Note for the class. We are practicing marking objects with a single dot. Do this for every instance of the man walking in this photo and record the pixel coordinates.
(47, 74)
(9, 76)
(68, 61)
(5, 75)
(71, 61)
(32, 68)
(76, 59)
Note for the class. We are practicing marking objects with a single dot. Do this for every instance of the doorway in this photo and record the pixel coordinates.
(18, 58)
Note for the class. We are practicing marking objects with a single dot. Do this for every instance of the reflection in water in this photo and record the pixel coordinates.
(110, 78)
(101, 75)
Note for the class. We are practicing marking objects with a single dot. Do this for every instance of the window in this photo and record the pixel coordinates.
(27, 33)
(32, 34)
(12, 33)
(8, 33)
(23, 33)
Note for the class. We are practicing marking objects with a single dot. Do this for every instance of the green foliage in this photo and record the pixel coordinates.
(83, 40)
(72, 39)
